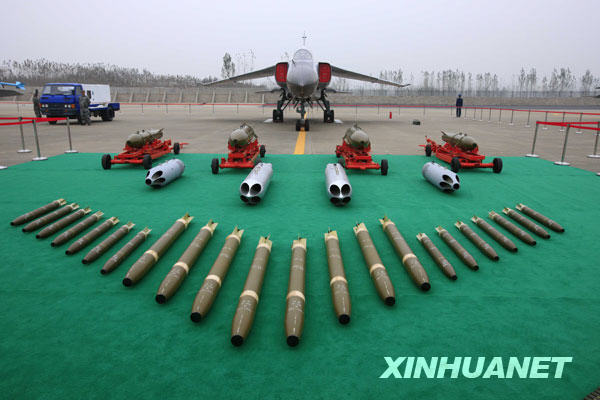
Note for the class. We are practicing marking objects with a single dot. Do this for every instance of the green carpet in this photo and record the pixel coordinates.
(69, 332)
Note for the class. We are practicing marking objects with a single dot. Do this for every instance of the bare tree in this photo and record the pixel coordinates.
(228, 69)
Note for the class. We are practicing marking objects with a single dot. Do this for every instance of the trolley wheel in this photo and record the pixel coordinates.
(455, 164)
(428, 150)
(262, 150)
(384, 167)
(298, 125)
(497, 167)
(106, 164)
(306, 125)
(176, 148)
(147, 161)
(275, 116)
(214, 166)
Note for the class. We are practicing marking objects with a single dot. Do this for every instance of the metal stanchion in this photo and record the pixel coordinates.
(142, 108)
(70, 151)
(580, 118)
(213, 104)
(500, 117)
(37, 143)
(167, 108)
(465, 109)
(451, 108)
(490, 115)
(545, 120)
(512, 114)
(475, 114)
(532, 154)
(22, 149)
(378, 108)
(528, 116)
(562, 129)
(481, 114)
(423, 110)
(189, 109)
(562, 157)
(18, 109)
(596, 155)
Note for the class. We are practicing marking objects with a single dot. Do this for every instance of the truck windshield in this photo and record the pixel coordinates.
(59, 89)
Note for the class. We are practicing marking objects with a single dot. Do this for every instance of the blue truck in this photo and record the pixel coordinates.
(62, 100)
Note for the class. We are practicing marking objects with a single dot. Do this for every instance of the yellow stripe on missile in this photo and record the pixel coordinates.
(300, 142)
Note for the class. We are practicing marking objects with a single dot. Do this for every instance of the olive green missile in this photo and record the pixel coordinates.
(357, 138)
(181, 268)
(62, 223)
(494, 234)
(125, 251)
(107, 243)
(145, 263)
(242, 136)
(140, 138)
(512, 228)
(457, 248)
(481, 244)
(437, 256)
(212, 283)
(48, 218)
(378, 273)
(459, 140)
(246, 309)
(409, 259)
(77, 229)
(340, 294)
(295, 300)
(91, 235)
(527, 223)
(542, 219)
(38, 212)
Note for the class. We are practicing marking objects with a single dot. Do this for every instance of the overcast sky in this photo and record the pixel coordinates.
(190, 37)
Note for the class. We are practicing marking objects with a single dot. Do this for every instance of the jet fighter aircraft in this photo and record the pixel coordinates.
(301, 83)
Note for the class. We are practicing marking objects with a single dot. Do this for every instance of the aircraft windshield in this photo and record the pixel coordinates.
(59, 89)
(302, 54)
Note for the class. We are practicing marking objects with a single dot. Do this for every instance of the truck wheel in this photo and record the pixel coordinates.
(106, 164)
(214, 166)
(455, 164)
(147, 161)
(306, 125)
(497, 167)
(384, 167)
(428, 150)
(108, 115)
(262, 150)
(176, 148)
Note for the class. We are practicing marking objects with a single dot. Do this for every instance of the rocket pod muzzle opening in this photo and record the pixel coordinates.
(345, 189)
(335, 201)
(334, 190)
(254, 200)
(245, 188)
(346, 200)
(157, 174)
(445, 185)
(244, 198)
(255, 189)
(148, 182)
(456, 186)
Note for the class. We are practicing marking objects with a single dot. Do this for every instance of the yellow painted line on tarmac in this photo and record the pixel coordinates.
(300, 142)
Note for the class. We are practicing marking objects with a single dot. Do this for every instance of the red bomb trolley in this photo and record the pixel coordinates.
(142, 155)
(239, 156)
(355, 158)
(458, 158)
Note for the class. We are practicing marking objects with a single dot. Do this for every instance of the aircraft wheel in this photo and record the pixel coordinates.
(297, 125)
(106, 164)
(214, 166)
(325, 117)
(384, 167)
(497, 168)
(455, 164)
(147, 161)
(176, 148)
(262, 150)
(306, 125)
(275, 116)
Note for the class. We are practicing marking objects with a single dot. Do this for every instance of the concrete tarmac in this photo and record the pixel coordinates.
(206, 129)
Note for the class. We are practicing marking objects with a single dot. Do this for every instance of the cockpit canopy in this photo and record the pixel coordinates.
(302, 55)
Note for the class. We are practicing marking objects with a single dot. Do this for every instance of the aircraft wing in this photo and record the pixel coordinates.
(261, 73)
(342, 73)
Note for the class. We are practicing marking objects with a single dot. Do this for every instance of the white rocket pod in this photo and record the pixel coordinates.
(165, 173)
(441, 177)
(254, 187)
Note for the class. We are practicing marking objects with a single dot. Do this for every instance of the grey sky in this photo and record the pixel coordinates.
(190, 37)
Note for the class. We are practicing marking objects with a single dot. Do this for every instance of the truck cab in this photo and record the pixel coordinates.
(62, 100)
